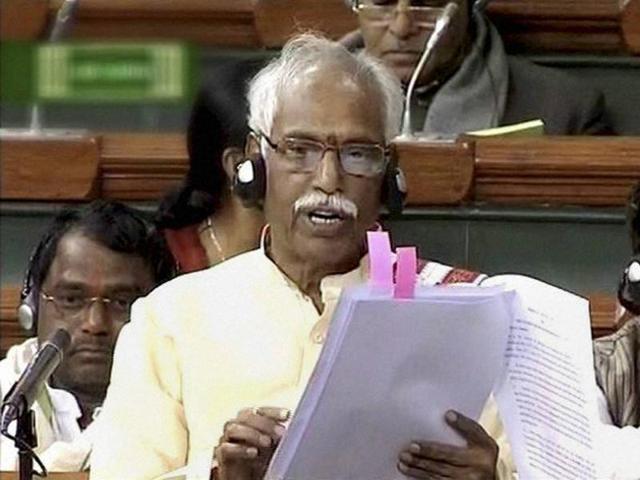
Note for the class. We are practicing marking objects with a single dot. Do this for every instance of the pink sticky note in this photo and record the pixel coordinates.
(406, 265)
(380, 259)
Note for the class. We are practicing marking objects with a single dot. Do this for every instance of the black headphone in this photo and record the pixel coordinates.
(28, 308)
(629, 287)
(250, 184)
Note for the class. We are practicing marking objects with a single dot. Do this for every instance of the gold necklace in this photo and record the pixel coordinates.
(214, 239)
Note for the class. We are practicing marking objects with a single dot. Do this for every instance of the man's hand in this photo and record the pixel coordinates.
(476, 461)
(248, 442)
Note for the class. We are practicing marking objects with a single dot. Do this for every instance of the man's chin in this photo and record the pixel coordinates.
(335, 252)
(401, 65)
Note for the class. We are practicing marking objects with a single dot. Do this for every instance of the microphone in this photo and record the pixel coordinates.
(480, 5)
(61, 26)
(24, 392)
(64, 20)
(438, 32)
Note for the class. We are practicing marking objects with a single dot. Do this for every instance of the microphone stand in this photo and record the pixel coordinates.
(16, 405)
(26, 440)
(438, 32)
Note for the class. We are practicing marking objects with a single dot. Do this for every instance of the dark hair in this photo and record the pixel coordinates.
(218, 120)
(112, 224)
(633, 218)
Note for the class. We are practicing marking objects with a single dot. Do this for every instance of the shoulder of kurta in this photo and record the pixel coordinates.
(194, 297)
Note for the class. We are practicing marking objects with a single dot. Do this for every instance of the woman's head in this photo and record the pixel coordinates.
(215, 136)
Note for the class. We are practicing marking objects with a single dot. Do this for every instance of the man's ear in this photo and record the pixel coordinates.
(252, 145)
(231, 157)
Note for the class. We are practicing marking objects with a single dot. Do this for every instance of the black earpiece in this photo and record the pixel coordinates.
(394, 190)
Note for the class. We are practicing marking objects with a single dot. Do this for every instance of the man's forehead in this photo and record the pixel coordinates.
(327, 102)
(79, 259)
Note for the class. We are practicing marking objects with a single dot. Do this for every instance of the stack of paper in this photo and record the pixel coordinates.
(389, 371)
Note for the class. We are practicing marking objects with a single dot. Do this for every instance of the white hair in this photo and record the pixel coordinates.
(309, 50)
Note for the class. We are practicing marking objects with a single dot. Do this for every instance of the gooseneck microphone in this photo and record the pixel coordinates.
(64, 20)
(61, 27)
(442, 24)
(24, 392)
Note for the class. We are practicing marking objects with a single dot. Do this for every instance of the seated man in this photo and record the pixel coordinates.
(85, 273)
(470, 82)
(213, 362)
(629, 287)
(617, 363)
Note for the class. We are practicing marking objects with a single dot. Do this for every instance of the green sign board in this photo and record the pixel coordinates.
(105, 72)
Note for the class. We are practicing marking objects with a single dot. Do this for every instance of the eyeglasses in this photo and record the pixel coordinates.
(359, 159)
(423, 13)
(72, 304)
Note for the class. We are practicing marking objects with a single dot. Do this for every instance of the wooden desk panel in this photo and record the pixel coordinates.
(561, 25)
(557, 170)
(23, 19)
(437, 173)
(142, 166)
(51, 475)
(48, 168)
(590, 171)
(10, 331)
(221, 23)
(589, 26)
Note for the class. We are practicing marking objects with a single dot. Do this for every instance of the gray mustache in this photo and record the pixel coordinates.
(336, 202)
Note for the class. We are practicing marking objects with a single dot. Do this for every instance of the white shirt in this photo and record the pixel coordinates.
(62, 445)
(202, 347)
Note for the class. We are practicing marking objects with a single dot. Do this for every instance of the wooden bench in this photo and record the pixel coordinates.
(528, 25)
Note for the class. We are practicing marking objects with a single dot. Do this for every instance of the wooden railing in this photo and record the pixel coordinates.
(11, 333)
(50, 476)
(530, 25)
(590, 171)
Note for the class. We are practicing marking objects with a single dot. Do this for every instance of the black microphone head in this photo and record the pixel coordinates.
(60, 339)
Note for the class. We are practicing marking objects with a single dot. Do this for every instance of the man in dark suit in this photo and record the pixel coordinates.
(470, 83)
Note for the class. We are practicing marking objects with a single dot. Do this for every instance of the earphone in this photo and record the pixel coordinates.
(250, 184)
(28, 308)
(629, 287)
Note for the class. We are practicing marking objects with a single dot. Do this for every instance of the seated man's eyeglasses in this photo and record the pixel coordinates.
(422, 12)
(303, 155)
(72, 304)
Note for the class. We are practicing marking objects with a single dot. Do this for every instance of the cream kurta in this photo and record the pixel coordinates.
(203, 347)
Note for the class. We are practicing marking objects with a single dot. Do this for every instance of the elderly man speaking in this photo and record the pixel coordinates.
(213, 363)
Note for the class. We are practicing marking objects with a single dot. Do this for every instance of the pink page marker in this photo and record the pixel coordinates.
(380, 259)
(406, 265)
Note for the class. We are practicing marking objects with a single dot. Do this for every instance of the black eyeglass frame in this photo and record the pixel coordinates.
(384, 149)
